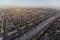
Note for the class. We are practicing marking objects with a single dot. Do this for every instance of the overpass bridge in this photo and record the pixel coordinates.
(40, 27)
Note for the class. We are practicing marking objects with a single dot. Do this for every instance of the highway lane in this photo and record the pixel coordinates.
(15, 31)
(20, 32)
(53, 32)
(39, 28)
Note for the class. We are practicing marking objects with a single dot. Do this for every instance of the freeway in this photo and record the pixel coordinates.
(53, 32)
(34, 31)
(13, 34)
(39, 28)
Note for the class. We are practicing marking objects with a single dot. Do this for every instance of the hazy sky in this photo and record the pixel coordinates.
(30, 3)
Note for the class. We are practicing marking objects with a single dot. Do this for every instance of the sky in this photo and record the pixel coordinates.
(30, 3)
